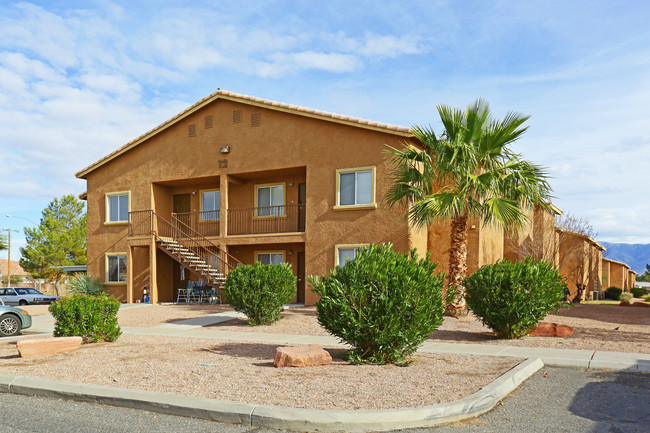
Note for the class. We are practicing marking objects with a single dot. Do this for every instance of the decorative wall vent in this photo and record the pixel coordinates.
(208, 121)
(192, 130)
(236, 116)
(255, 119)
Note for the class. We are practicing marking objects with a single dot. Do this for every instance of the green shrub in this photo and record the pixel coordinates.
(512, 298)
(646, 298)
(84, 284)
(637, 292)
(382, 303)
(625, 297)
(614, 293)
(93, 318)
(259, 291)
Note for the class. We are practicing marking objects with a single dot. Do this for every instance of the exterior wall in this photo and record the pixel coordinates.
(618, 274)
(538, 238)
(284, 147)
(631, 279)
(581, 263)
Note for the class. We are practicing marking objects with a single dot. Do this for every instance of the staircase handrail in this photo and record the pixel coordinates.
(191, 239)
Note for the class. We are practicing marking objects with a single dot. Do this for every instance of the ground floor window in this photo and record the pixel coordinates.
(116, 268)
(347, 252)
(270, 258)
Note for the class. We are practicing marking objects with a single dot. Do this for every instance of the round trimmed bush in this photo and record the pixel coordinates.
(614, 293)
(92, 318)
(512, 298)
(259, 291)
(384, 304)
(637, 292)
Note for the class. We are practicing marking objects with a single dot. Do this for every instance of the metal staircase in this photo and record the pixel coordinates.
(187, 258)
(185, 245)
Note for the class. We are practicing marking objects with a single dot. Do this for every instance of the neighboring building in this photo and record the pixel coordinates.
(616, 274)
(17, 272)
(581, 261)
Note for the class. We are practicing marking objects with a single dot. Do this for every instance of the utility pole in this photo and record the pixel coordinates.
(9, 254)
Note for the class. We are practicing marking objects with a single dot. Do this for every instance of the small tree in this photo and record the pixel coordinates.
(59, 240)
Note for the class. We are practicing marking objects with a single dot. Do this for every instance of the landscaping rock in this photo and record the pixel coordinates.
(625, 304)
(545, 329)
(301, 356)
(42, 346)
(641, 304)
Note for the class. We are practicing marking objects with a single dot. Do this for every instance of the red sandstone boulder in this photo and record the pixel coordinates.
(641, 304)
(42, 346)
(545, 329)
(624, 303)
(301, 356)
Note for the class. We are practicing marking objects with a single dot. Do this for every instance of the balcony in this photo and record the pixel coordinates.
(256, 220)
(267, 219)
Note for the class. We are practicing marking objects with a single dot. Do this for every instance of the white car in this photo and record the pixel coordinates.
(25, 296)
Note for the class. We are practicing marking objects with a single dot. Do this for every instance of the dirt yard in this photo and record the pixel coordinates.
(597, 327)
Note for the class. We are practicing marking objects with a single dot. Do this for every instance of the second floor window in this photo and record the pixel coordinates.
(117, 207)
(355, 188)
(270, 200)
(210, 205)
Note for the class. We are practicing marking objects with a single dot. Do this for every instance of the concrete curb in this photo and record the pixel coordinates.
(280, 417)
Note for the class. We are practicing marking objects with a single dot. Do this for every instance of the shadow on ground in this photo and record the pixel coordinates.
(618, 402)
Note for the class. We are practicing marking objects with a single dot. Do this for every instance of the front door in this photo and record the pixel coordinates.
(301, 277)
(182, 205)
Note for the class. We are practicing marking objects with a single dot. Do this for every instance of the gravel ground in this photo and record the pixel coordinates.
(597, 327)
(244, 372)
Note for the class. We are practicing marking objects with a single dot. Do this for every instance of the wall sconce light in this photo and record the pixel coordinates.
(194, 192)
(290, 183)
(290, 252)
(224, 149)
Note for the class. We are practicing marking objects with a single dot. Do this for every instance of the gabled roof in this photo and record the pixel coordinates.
(249, 100)
(617, 262)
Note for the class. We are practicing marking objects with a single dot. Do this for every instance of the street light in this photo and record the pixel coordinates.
(9, 254)
(22, 218)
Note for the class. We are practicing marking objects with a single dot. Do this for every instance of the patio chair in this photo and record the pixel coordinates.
(195, 292)
(183, 294)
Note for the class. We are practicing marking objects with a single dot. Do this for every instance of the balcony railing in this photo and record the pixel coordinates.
(204, 222)
(267, 219)
(256, 220)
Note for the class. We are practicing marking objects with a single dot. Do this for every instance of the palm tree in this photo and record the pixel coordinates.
(467, 171)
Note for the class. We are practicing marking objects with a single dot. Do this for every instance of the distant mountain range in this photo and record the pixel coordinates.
(634, 255)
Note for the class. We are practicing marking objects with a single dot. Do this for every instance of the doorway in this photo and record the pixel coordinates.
(300, 268)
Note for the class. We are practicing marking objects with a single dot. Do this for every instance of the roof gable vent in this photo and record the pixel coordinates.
(208, 121)
(255, 119)
(192, 130)
(236, 116)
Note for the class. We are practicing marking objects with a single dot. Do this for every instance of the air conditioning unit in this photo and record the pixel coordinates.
(594, 296)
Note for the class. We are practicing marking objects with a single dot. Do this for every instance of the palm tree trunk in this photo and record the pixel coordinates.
(455, 297)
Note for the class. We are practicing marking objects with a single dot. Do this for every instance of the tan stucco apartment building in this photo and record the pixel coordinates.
(237, 179)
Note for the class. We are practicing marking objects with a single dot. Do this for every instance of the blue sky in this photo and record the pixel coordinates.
(79, 79)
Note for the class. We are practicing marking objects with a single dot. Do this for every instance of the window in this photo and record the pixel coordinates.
(270, 200)
(343, 253)
(116, 268)
(270, 258)
(356, 188)
(117, 207)
(210, 205)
